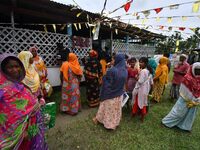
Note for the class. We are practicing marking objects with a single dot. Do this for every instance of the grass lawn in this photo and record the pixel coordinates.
(79, 132)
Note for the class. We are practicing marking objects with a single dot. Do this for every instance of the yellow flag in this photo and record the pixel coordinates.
(45, 28)
(184, 18)
(63, 27)
(79, 26)
(177, 43)
(116, 31)
(54, 27)
(144, 20)
(78, 14)
(169, 19)
(158, 19)
(176, 49)
(195, 7)
(75, 26)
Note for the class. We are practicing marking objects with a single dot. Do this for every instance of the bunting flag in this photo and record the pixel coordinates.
(169, 19)
(157, 19)
(45, 28)
(157, 10)
(138, 17)
(170, 28)
(144, 21)
(146, 13)
(54, 27)
(75, 26)
(184, 18)
(78, 14)
(79, 26)
(63, 27)
(193, 29)
(195, 7)
(86, 25)
(161, 27)
(110, 24)
(177, 44)
(116, 31)
(182, 28)
(173, 6)
(127, 6)
(96, 32)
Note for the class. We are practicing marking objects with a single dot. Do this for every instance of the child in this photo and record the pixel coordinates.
(141, 90)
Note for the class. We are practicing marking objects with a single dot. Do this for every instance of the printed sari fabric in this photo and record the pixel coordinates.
(70, 94)
(19, 114)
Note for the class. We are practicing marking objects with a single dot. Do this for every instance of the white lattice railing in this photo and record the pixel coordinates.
(15, 40)
(133, 49)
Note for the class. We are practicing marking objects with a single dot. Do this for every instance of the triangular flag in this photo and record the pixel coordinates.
(78, 14)
(170, 28)
(54, 27)
(195, 7)
(110, 24)
(146, 13)
(138, 17)
(63, 27)
(158, 10)
(75, 26)
(157, 19)
(161, 27)
(79, 26)
(177, 43)
(45, 28)
(127, 5)
(182, 28)
(116, 31)
(193, 29)
(169, 19)
(174, 6)
(86, 25)
(134, 14)
(184, 18)
(144, 20)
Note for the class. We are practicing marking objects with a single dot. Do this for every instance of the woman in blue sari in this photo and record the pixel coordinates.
(184, 111)
(111, 95)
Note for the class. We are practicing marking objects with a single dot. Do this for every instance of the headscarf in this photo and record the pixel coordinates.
(16, 105)
(31, 79)
(162, 70)
(192, 81)
(73, 64)
(31, 49)
(114, 80)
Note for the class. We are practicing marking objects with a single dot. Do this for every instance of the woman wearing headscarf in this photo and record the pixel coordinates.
(21, 123)
(41, 69)
(70, 74)
(93, 74)
(180, 71)
(31, 79)
(112, 90)
(160, 79)
(184, 111)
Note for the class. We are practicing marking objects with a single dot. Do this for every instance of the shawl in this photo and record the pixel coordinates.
(162, 71)
(31, 79)
(114, 79)
(152, 63)
(16, 105)
(192, 81)
(40, 66)
(73, 64)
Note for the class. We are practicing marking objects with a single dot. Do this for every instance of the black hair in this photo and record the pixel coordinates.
(145, 61)
(166, 55)
(132, 59)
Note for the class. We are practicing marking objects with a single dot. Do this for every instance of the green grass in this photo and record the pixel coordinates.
(130, 135)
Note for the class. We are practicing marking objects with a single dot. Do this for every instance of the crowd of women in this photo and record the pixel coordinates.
(24, 88)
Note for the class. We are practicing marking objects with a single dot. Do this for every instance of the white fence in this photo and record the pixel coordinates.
(133, 49)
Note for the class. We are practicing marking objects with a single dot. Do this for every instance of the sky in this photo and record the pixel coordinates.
(96, 6)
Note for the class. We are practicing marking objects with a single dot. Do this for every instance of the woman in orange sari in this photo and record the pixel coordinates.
(70, 72)
(160, 78)
(41, 69)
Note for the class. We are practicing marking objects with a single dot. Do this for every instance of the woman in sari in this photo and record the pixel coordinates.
(184, 111)
(70, 72)
(180, 71)
(112, 90)
(31, 79)
(93, 74)
(41, 69)
(21, 123)
(160, 79)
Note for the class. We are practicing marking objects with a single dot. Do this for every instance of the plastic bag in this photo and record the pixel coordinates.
(49, 113)
(48, 88)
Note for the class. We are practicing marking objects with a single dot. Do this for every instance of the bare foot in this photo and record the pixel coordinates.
(95, 121)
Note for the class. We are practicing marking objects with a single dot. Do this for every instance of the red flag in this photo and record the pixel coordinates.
(182, 28)
(158, 10)
(161, 27)
(127, 5)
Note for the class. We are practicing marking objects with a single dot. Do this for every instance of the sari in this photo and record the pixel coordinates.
(184, 112)
(70, 87)
(160, 79)
(93, 74)
(31, 79)
(21, 122)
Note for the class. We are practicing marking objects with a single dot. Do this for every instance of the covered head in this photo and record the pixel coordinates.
(33, 50)
(11, 67)
(163, 61)
(93, 53)
(26, 58)
(183, 57)
(119, 60)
